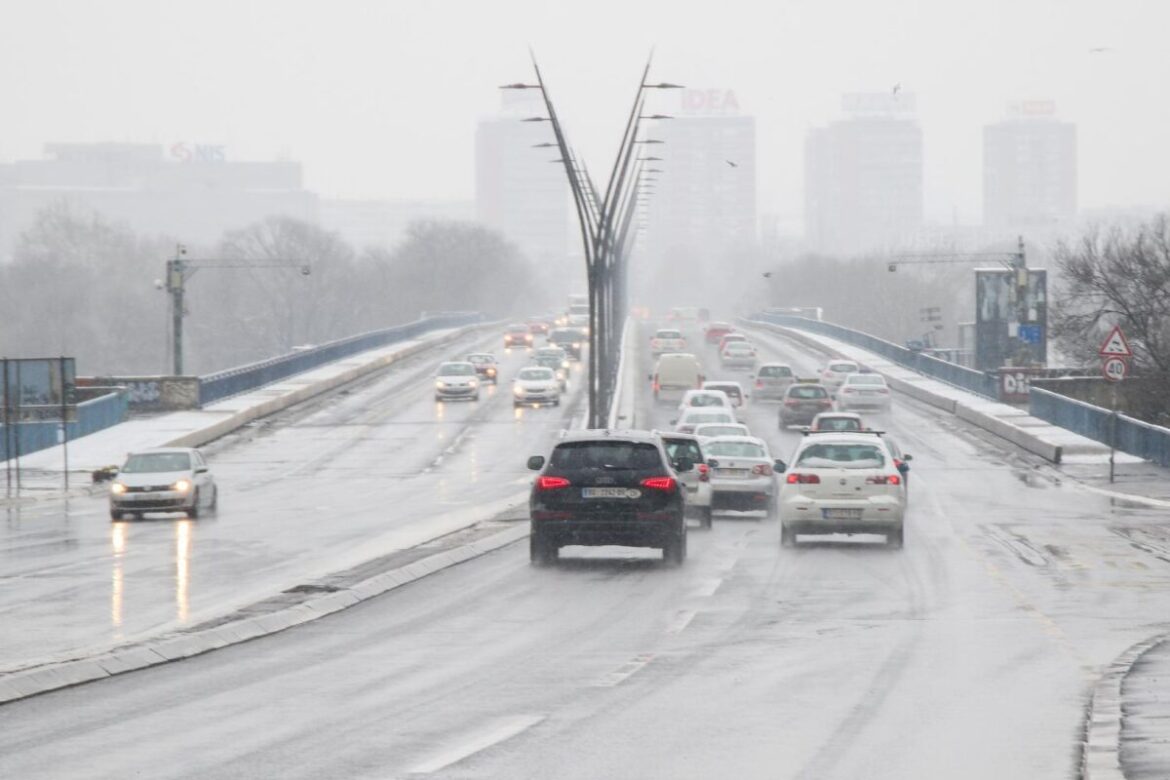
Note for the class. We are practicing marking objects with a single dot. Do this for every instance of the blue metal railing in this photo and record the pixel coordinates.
(220, 385)
(1151, 442)
(93, 415)
(968, 379)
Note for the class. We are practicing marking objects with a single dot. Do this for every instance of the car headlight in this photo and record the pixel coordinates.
(440, 383)
(518, 390)
(565, 364)
(117, 488)
(491, 372)
(576, 345)
(474, 383)
(182, 486)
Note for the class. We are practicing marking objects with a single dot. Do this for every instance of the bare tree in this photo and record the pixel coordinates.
(1117, 277)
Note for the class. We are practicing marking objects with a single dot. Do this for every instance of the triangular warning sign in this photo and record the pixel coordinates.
(1115, 345)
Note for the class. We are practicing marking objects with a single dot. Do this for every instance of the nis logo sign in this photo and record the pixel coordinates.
(184, 152)
(709, 102)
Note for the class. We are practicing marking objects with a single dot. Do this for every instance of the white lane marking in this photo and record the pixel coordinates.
(496, 732)
(707, 587)
(625, 671)
(681, 621)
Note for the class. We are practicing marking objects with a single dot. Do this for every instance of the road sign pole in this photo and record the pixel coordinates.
(1113, 436)
(64, 423)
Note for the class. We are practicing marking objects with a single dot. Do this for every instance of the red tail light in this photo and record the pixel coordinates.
(759, 383)
(884, 479)
(762, 470)
(791, 402)
(660, 483)
(803, 479)
(551, 483)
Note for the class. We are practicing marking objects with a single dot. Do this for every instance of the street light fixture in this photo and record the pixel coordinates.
(545, 145)
(650, 141)
(663, 85)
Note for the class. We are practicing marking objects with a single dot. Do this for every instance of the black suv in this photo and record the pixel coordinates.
(607, 487)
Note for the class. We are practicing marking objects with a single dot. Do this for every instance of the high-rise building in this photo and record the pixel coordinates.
(191, 192)
(703, 202)
(863, 177)
(519, 189)
(1029, 169)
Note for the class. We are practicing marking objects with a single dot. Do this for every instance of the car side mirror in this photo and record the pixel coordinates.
(907, 457)
(683, 465)
(674, 421)
(536, 463)
(903, 468)
(649, 377)
(201, 470)
(779, 466)
(711, 462)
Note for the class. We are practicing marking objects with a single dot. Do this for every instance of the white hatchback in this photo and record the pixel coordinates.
(697, 415)
(536, 385)
(706, 399)
(842, 483)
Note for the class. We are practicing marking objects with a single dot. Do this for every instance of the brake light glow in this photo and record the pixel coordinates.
(551, 483)
(704, 472)
(762, 470)
(803, 479)
(884, 479)
(759, 383)
(666, 484)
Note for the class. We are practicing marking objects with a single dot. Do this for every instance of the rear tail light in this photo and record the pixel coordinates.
(791, 402)
(704, 472)
(884, 479)
(551, 483)
(666, 484)
(803, 479)
(759, 383)
(762, 470)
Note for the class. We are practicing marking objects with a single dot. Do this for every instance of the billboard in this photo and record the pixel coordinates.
(1010, 330)
(37, 388)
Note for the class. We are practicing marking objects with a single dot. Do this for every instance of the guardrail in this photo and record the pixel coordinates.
(1151, 442)
(621, 409)
(92, 415)
(967, 379)
(222, 384)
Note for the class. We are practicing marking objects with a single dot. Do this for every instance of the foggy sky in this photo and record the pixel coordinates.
(379, 99)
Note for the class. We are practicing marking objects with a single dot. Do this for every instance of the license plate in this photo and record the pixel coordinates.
(610, 492)
(737, 473)
(841, 514)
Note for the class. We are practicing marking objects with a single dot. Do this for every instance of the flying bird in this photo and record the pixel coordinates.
(767, 274)
(733, 165)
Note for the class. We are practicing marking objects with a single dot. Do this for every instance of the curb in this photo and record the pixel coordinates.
(21, 685)
(1101, 753)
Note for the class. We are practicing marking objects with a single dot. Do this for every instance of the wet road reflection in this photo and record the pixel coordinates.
(182, 568)
(118, 534)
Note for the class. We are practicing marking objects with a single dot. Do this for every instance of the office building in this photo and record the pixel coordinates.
(863, 177)
(189, 192)
(519, 189)
(1029, 170)
(702, 203)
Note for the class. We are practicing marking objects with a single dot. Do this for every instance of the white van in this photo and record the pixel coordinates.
(674, 374)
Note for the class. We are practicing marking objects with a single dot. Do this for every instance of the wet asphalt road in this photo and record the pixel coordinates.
(967, 654)
(329, 485)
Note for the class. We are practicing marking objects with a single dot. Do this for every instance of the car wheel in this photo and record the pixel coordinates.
(193, 511)
(557, 402)
(705, 517)
(214, 505)
(675, 551)
(475, 397)
(541, 550)
(894, 538)
(787, 537)
(115, 514)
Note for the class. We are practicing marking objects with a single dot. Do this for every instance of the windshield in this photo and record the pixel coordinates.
(838, 424)
(683, 448)
(842, 456)
(775, 371)
(668, 334)
(807, 391)
(694, 418)
(720, 430)
(605, 455)
(736, 449)
(535, 373)
(157, 462)
(456, 369)
(707, 400)
(866, 379)
(843, 368)
(479, 360)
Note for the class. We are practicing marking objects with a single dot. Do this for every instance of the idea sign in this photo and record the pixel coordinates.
(709, 102)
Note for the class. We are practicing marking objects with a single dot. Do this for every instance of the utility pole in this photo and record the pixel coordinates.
(180, 269)
(176, 277)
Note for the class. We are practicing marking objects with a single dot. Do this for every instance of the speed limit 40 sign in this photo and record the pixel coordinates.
(1114, 369)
